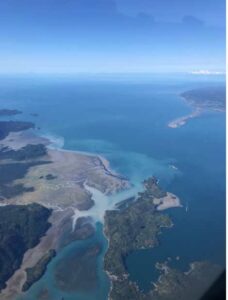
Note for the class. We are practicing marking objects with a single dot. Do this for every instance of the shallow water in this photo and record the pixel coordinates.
(96, 286)
(127, 123)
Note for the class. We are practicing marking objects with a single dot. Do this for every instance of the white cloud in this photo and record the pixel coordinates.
(207, 72)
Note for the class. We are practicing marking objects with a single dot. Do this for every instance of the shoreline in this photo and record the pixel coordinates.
(70, 170)
(169, 201)
(100, 166)
(63, 158)
(183, 120)
(31, 257)
(205, 104)
(103, 160)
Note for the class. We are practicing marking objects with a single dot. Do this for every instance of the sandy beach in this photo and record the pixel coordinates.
(183, 120)
(169, 201)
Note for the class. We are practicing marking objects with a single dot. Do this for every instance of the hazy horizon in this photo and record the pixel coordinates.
(112, 36)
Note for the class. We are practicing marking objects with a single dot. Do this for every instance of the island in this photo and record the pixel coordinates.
(174, 284)
(205, 99)
(9, 112)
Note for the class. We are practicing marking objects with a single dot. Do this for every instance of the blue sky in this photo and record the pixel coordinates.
(70, 36)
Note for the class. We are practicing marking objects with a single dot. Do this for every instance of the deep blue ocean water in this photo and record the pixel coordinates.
(126, 121)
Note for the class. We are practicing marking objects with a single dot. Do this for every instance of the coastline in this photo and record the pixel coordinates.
(164, 203)
(174, 188)
(183, 120)
(143, 234)
(104, 163)
(169, 201)
(31, 257)
(94, 166)
(200, 100)
(62, 161)
(70, 170)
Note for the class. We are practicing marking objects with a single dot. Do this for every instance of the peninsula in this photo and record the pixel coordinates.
(201, 100)
(133, 227)
(136, 226)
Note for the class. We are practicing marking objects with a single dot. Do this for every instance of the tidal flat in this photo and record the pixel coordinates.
(151, 152)
(54, 187)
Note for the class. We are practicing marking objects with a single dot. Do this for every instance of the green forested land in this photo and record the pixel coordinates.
(21, 227)
(13, 126)
(12, 171)
(36, 272)
(25, 153)
(134, 227)
(208, 98)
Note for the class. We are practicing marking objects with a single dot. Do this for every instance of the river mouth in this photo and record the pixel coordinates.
(138, 151)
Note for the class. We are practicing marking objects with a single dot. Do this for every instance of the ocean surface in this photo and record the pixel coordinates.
(126, 121)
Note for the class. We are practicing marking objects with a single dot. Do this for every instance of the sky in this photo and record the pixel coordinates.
(112, 36)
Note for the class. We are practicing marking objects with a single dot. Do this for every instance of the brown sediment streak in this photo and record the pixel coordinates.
(66, 191)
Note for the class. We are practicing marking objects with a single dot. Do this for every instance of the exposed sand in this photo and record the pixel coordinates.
(169, 201)
(65, 193)
(17, 140)
(71, 170)
(182, 120)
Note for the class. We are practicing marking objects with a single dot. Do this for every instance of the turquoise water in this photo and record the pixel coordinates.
(127, 123)
(92, 290)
